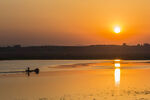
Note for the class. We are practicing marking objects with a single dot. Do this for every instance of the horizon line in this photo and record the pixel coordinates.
(123, 44)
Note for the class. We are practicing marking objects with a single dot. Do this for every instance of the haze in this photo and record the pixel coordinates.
(74, 22)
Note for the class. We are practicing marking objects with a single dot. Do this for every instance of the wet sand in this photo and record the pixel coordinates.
(89, 81)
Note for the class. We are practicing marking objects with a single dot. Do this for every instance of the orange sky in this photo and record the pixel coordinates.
(73, 22)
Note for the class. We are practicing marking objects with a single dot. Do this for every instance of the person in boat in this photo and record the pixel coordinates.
(28, 71)
(35, 70)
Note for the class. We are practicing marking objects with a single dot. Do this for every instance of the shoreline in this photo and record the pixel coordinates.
(78, 59)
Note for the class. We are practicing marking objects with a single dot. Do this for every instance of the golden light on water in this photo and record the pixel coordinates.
(117, 76)
(117, 65)
(117, 60)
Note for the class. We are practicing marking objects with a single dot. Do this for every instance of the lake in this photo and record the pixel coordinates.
(75, 80)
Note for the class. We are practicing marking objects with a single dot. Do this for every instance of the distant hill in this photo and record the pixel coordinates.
(76, 52)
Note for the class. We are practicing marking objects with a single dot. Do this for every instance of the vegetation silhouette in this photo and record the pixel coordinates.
(76, 52)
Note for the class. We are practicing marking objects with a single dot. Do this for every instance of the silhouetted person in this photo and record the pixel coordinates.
(28, 71)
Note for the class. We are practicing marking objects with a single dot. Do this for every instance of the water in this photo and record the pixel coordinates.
(44, 65)
(76, 80)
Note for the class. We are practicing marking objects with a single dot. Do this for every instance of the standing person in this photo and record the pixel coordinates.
(28, 71)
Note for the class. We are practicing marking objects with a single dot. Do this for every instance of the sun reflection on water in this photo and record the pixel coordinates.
(117, 72)
(117, 76)
(117, 65)
(117, 60)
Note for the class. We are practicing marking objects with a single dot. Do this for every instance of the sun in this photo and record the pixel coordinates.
(117, 29)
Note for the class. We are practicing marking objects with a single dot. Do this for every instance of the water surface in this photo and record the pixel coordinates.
(76, 80)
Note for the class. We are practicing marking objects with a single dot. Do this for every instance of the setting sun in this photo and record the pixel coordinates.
(117, 29)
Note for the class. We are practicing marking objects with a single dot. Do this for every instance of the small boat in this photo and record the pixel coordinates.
(28, 71)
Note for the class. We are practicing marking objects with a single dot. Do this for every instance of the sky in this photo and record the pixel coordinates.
(74, 22)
